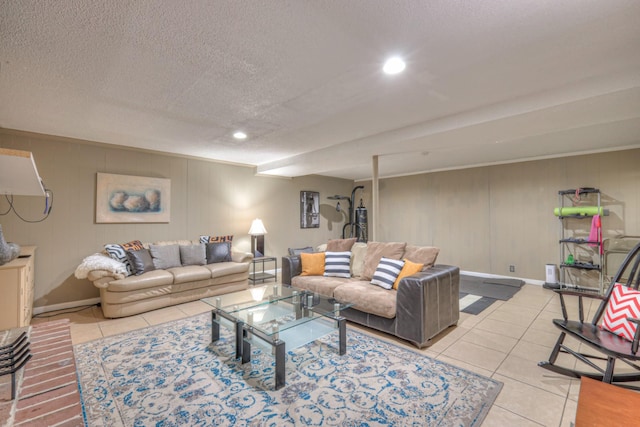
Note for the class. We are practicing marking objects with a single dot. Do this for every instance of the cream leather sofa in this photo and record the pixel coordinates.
(123, 295)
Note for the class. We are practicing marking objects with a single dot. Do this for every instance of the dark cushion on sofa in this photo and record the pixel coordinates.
(218, 252)
(298, 251)
(141, 261)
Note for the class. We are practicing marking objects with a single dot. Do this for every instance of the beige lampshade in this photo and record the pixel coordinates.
(257, 228)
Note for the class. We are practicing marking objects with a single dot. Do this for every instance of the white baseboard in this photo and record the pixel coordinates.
(497, 276)
(65, 305)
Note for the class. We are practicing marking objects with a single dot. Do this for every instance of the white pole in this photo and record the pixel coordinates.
(374, 199)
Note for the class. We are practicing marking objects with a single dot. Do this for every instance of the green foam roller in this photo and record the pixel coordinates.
(579, 210)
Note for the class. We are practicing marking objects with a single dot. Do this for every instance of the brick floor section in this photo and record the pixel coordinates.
(49, 393)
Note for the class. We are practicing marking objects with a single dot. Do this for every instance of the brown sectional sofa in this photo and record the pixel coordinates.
(123, 295)
(424, 304)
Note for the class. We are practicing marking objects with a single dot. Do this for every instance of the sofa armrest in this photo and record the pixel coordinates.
(95, 275)
(241, 256)
(427, 303)
(291, 267)
(103, 282)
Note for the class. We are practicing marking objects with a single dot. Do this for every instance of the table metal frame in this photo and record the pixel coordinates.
(262, 276)
(244, 330)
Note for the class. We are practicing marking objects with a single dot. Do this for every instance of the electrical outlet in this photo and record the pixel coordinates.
(512, 268)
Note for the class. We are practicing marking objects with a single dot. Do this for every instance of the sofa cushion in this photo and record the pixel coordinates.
(425, 255)
(409, 269)
(358, 252)
(320, 284)
(190, 273)
(165, 256)
(298, 251)
(216, 239)
(340, 245)
(367, 298)
(134, 245)
(218, 252)
(193, 254)
(147, 280)
(119, 252)
(387, 272)
(140, 260)
(221, 269)
(337, 264)
(312, 264)
(377, 250)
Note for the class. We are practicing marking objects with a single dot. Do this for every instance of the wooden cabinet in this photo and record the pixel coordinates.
(16, 290)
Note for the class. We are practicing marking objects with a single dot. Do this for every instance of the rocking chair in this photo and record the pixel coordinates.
(610, 346)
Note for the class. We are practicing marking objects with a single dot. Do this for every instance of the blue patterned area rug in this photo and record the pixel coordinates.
(170, 375)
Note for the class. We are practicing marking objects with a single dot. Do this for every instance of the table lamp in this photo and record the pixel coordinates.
(257, 232)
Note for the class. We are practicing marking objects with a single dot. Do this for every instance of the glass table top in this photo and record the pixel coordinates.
(273, 309)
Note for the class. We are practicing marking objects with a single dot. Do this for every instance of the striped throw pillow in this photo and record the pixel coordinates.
(119, 253)
(387, 272)
(337, 264)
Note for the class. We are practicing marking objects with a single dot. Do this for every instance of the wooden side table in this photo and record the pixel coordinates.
(601, 404)
(261, 275)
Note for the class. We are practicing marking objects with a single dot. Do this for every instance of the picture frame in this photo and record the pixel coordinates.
(309, 209)
(132, 199)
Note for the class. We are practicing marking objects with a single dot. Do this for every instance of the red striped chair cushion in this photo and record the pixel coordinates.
(623, 303)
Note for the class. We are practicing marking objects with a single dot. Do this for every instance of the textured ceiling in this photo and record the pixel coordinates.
(486, 81)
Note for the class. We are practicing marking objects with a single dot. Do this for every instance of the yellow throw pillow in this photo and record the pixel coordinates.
(312, 264)
(410, 268)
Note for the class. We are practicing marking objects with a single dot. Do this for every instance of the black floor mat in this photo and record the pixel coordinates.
(477, 306)
(502, 289)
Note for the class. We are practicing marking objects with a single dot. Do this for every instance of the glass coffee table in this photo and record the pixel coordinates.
(280, 317)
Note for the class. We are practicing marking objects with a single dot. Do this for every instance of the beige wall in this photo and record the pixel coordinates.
(206, 198)
(483, 219)
(486, 218)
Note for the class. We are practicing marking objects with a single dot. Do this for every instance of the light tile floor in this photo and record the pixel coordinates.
(505, 342)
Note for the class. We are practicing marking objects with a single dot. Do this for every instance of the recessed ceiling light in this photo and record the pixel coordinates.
(240, 135)
(394, 65)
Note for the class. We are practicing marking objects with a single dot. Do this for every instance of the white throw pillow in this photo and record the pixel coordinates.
(337, 264)
(387, 272)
